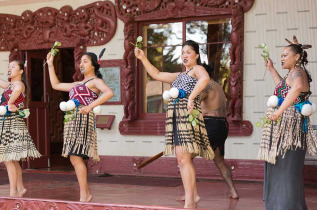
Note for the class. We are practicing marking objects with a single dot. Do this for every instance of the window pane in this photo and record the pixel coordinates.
(172, 59)
(163, 34)
(217, 56)
(158, 39)
(152, 89)
(206, 31)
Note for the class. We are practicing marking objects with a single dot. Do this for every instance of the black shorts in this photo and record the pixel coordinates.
(217, 131)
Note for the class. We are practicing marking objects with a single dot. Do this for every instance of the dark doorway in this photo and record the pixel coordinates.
(65, 68)
(46, 120)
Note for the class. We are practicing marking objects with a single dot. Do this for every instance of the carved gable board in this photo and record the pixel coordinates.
(90, 25)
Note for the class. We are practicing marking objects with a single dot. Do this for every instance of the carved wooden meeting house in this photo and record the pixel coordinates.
(131, 127)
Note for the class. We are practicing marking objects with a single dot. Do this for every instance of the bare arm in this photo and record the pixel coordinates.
(56, 84)
(4, 84)
(17, 89)
(275, 75)
(297, 79)
(106, 95)
(203, 80)
(152, 70)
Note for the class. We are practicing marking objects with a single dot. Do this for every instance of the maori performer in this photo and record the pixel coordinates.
(213, 107)
(181, 137)
(15, 140)
(285, 142)
(80, 136)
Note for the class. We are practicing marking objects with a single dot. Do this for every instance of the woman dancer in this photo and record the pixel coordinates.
(15, 140)
(80, 137)
(284, 144)
(181, 137)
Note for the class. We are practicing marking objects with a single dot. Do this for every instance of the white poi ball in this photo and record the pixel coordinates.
(62, 106)
(166, 95)
(272, 101)
(174, 92)
(70, 105)
(3, 110)
(314, 108)
(306, 110)
(97, 110)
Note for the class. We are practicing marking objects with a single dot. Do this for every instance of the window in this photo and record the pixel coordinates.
(163, 44)
(218, 26)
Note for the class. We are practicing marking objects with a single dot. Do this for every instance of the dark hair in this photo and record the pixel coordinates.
(195, 47)
(297, 49)
(94, 61)
(23, 77)
(209, 69)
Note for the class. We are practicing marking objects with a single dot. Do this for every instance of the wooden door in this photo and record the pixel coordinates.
(38, 100)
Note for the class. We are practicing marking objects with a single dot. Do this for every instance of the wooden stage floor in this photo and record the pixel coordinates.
(143, 191)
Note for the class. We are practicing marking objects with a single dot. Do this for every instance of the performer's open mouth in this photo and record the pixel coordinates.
(82, 70)
(185, 60)
(9, 73)
(282, 63)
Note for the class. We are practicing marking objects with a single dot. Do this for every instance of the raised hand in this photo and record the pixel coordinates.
(49, 59)
(139, 54)
(269, 64)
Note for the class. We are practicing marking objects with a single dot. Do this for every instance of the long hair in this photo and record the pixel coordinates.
(23, 77)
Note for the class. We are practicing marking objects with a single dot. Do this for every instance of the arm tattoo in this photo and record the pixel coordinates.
(209, 87)
(294, 75)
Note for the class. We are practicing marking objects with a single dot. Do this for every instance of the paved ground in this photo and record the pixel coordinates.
(145, 191)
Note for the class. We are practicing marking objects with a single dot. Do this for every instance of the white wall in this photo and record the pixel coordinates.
(269, 21)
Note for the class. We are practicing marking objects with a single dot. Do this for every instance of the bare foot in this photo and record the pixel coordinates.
(234, 194)
(87, 199)
(22, 192)
(15, 195)
(197, 198)
(190, 206)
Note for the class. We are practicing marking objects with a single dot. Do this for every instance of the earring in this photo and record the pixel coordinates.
(297, 64)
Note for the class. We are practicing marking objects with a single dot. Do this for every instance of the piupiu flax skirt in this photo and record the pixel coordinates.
(180, 132)
(80, 136)
(15, 140)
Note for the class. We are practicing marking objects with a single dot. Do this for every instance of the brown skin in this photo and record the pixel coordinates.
(296, 79)
(13, 167)
(189, 58)
(213, 103)
(97, 85)
(213, 100)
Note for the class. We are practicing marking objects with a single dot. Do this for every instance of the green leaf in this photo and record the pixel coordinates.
(57, 44)
(194, 123)
(190, 117)
(139, 45)
(195, 112)
(258, 124)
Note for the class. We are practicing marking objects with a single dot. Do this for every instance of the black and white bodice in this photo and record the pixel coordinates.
(185, 82)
